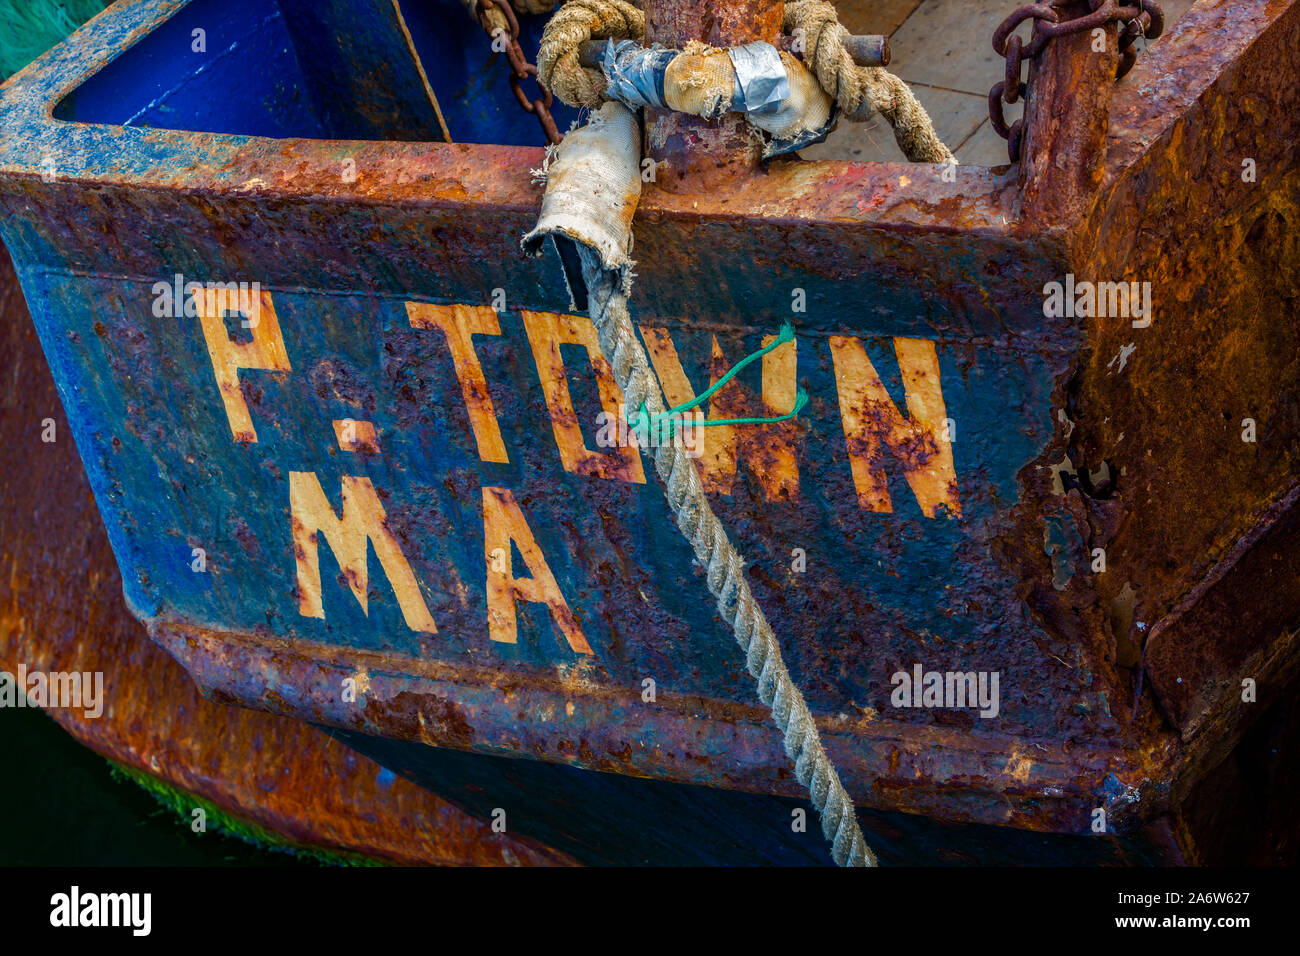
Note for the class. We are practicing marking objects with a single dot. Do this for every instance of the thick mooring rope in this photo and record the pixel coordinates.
(573, 25)
(724, 569)
(860, 91)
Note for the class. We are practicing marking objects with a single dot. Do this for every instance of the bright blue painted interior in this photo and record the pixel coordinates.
(318, 69)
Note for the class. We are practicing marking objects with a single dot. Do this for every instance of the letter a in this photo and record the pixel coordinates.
(504, 523)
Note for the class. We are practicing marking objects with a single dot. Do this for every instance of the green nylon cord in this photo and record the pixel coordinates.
(643, 419)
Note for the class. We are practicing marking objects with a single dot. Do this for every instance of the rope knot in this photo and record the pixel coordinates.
(861, 91)
(572, 25)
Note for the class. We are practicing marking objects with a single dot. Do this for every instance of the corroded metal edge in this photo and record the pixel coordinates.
(1001, 779)
(1218, 241)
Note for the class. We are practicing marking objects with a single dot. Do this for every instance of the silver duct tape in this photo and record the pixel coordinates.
(778, 146)
(761, 83)
(634, 75)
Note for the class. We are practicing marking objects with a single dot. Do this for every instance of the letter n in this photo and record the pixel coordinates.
(873, 423)
(362, 522)
(504, 524)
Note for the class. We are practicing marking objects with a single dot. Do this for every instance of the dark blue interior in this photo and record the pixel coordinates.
(321, 69)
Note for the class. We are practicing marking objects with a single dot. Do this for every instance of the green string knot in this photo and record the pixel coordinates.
(644, 421)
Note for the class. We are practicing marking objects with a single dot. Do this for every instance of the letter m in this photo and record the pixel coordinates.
(116, 909)
(362, 522)
(1116, 299)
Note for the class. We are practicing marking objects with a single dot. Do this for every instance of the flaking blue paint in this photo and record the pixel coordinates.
(143, 405)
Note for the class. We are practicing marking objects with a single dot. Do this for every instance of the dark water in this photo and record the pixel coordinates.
(59, 806)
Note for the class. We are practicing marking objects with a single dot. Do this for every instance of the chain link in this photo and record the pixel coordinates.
(520, 68)
(1140, 19)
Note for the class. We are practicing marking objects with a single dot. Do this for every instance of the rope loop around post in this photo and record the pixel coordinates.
(573, 24)
(860, 92)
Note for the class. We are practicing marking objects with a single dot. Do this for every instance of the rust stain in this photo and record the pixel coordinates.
(280, 773)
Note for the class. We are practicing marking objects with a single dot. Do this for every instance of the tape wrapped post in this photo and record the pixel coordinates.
(805, 115)
(634, 75)
(593, 186)
(774, 90)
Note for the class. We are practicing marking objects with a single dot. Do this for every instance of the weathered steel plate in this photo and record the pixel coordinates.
(61, 611)
(414, 397)
(291, 778)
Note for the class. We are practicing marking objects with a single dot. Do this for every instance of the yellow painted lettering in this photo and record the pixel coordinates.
(363, 520)
(504, 523)
(547, 331)
(768, 450)
(266, 350)
(873, 423)
(459, 323)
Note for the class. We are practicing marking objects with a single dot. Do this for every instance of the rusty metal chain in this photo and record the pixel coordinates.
(1143, 18)
(520, 68)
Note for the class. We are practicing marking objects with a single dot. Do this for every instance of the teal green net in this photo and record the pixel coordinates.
(30, 27)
